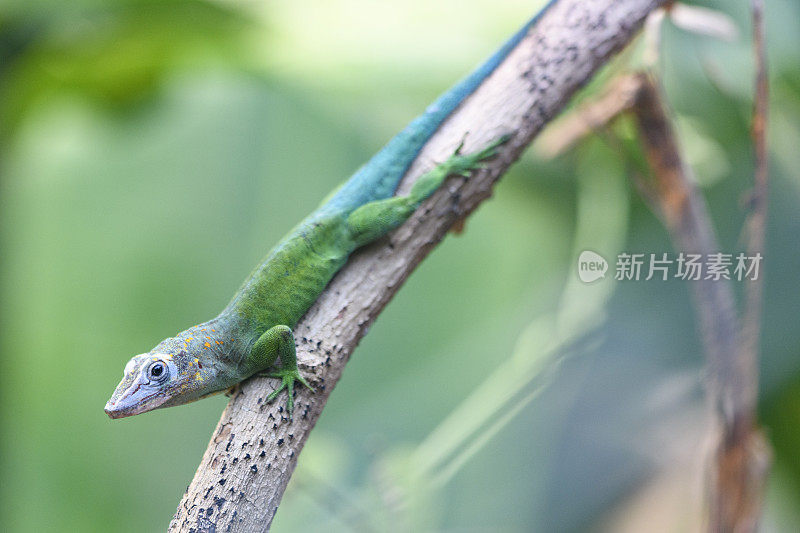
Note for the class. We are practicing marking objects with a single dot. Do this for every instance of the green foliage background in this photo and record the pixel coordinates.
(152, 152)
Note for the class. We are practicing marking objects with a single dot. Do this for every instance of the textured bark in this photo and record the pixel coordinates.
(254, 449)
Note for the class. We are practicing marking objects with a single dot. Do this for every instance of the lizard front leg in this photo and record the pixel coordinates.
(278, 343)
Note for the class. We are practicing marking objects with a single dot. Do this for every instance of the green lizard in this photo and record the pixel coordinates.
(255, 328)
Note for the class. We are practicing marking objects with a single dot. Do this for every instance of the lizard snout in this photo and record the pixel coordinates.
(111, 411)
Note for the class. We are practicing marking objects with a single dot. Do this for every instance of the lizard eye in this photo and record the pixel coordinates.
(157, 371)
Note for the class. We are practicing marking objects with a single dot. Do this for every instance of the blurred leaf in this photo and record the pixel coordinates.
(115, 55)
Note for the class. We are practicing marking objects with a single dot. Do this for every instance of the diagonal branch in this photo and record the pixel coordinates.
(685, 214)
(254, 449)
(590, 117)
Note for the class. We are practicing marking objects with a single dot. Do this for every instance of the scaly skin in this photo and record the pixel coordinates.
(255, 329)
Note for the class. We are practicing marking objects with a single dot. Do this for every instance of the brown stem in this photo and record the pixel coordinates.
(741, 459)
(743, 455)
(590, 117)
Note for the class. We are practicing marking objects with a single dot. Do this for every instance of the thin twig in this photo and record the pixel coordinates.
(756, 223)
(741, 458)
(589, 117)
(743, 455)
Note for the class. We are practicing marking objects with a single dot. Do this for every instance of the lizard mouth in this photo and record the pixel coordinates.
(113, 411)
(121, 408)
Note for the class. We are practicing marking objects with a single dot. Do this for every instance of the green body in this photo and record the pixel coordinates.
(255, 329)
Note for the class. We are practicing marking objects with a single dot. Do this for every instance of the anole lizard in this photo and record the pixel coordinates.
(255, 328)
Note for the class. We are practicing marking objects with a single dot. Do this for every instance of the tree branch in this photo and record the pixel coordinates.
(743, 454)
(741, 459)
(254, 449)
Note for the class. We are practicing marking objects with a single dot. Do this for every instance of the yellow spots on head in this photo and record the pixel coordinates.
(198, 377)
(214, 330)
(218, 342)
(207, 345)
(197, 361)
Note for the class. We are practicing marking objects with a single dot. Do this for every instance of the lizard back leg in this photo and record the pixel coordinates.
(375, 219)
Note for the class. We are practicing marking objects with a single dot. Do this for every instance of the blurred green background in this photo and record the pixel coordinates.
(151, 154)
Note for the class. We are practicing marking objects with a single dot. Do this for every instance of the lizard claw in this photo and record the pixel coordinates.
(461, 144)
(288, 378)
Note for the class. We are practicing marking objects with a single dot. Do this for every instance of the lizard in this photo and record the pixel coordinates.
(254, 331)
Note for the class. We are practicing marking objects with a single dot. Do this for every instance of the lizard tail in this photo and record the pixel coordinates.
(379, 177)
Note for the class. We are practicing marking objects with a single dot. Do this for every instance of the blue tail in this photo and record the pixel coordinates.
(379, 177)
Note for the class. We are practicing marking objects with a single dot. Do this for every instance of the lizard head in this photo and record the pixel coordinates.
(148, 382)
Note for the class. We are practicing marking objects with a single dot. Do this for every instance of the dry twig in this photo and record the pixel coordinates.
(743, 455)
